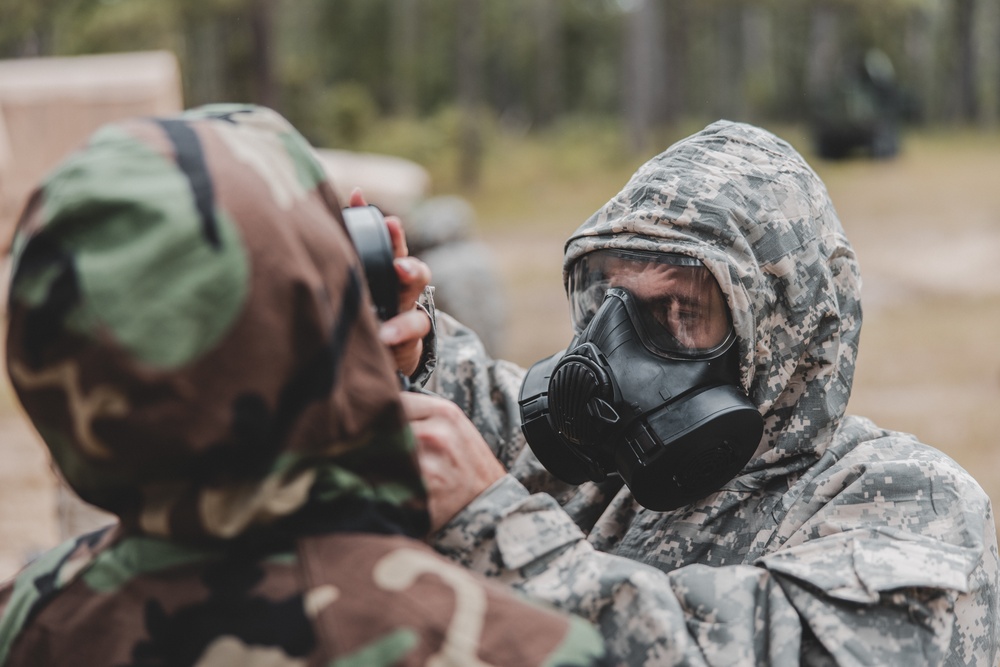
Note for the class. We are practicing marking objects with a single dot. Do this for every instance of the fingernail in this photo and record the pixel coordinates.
(388, 334)
(407, 265)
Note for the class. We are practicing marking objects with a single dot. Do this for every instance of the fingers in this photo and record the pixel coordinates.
(399, 247)
(417, 406)
(456, 463)
(357, 198)
(420, 407)
(413, 276)
(404, 335)
(408, 326)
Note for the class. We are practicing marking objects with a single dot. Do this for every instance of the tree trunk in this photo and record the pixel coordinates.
(759, 76)
(824, 66)
(987, 56)
(730, 100)
(919, 41)
(964, 74)
(548, 83)
(470, 48)
(405, 55)
(262, 29)
(204, 48)
(644, 70)
(675, 57)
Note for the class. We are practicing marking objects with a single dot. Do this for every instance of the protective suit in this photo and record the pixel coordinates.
(838, 542)
(192, 336)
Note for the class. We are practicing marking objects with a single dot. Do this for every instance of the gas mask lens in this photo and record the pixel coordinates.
(674, 299)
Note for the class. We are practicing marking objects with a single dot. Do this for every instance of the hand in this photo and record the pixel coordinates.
(456, 463)
(404, 333)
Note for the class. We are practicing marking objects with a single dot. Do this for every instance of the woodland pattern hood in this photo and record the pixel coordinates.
(192, 336)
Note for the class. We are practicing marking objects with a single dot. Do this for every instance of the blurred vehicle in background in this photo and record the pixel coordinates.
(861, 114)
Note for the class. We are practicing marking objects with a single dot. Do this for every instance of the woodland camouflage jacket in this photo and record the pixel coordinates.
(190, 332)
(838, 543)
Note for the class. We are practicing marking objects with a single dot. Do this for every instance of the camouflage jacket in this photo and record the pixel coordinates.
(838, 543)
(191, 334)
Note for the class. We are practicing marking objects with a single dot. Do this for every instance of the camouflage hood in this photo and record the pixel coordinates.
(746, 204)
(190, 332)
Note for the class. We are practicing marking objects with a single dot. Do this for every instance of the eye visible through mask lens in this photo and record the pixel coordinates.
(675, 299)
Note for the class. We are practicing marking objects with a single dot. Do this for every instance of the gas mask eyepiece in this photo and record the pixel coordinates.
(649, 387)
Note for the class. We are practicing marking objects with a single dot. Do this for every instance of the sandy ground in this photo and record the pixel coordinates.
(927, 232)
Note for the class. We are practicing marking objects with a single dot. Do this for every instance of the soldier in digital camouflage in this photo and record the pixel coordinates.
(191, 334)
(836, 543)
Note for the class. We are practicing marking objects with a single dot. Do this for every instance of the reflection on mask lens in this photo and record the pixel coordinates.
(675, 298)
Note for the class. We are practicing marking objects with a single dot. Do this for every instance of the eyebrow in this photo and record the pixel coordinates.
(683, 301)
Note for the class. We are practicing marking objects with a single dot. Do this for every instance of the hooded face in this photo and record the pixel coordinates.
(191, 334)
(748, 207)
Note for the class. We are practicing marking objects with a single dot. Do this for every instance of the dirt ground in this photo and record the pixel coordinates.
(926, 228)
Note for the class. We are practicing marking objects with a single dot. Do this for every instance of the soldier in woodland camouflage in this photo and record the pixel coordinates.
(839, 543)
(191, 334)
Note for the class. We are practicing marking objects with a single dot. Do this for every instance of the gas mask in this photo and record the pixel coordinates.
(649, 386)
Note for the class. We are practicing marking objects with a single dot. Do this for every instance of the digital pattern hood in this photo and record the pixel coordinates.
(747, 205)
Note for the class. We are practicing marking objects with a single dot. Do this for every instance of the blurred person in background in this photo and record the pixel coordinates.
(191, 334)
(697, 424)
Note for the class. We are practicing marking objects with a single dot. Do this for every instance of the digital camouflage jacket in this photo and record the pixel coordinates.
(838, 543)
(191, 334)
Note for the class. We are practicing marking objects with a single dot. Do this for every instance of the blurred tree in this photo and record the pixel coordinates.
(731, 98)
(644, 66)
(549, 81)
(262, 52)
(986, 37)
(406, 47)
(964, 62)
(530, 63)
(759, 61)
(27, 28)
(470, 51)
(676, 46)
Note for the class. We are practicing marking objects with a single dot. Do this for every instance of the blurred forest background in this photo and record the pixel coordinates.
(537, 111)
(434, 80)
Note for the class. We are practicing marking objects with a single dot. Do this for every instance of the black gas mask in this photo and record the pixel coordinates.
(648, 388)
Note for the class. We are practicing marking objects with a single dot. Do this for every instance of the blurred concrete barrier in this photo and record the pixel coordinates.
(48, 106)
(439, 230)
(394, 184)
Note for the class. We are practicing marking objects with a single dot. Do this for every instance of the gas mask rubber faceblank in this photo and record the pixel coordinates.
(648, 388)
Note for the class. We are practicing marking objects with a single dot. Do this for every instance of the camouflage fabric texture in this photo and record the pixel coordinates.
(191, 334)
(839, 543)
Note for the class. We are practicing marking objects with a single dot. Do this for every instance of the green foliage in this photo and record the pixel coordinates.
(343, 115)
(337, 68)
(433, 141)
(122, 25)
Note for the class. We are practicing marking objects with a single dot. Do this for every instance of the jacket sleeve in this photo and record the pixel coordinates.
(486, 389)
(647, 617)
(773, 612)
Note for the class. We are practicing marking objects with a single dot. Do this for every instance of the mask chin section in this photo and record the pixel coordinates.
(689, 449)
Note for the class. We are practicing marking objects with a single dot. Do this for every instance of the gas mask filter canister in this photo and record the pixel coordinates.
(649, 387)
